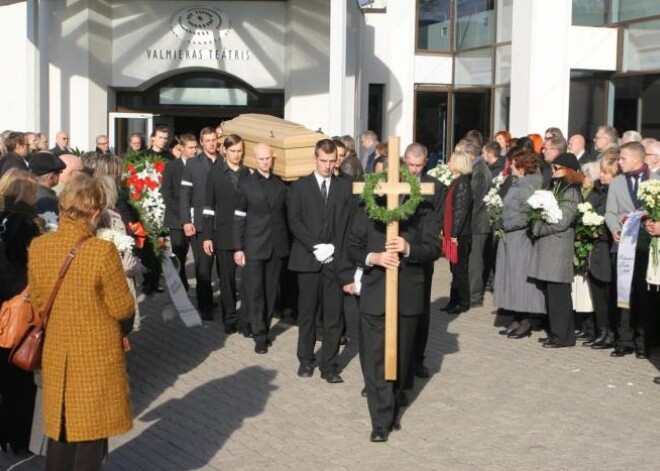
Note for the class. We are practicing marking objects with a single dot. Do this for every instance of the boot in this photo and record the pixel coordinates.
(607, 342)
(598, 339)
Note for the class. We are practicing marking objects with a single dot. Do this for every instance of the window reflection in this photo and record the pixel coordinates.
(474, 67)
(590, 12)
(629, 10)
(433, 25)
(641, 46)
(474, 23)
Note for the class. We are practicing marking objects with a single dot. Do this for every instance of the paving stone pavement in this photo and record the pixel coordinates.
(205, 401)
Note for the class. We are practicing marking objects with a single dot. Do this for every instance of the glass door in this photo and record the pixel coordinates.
(431, 116)
(471, 110)
(122, 125)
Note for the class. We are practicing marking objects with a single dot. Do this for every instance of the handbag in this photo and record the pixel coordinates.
(26, 354)
(16, 315)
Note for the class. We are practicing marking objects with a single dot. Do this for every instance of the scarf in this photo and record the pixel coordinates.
(640, 175)
(449, 250)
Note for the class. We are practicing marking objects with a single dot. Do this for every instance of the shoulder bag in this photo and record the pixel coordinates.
(26, 355)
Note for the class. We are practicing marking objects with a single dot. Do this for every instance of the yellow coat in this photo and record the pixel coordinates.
(84, 369)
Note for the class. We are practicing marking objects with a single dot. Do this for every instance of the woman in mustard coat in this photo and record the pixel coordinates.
(86, 394)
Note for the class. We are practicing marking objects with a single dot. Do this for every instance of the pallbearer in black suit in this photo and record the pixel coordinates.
(318, 207)
(171, 190)
(261, 241)
(219, 206)
(411, 252)
(193, 193)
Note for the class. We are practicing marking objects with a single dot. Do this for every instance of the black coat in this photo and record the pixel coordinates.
(599, 263)
(19, 223)
(368, 236)
(437, 199)
(260, 219)
(171, 191)
(312, 221)
(480, 182)
(461, 194)
(219, 206)
(11, 160)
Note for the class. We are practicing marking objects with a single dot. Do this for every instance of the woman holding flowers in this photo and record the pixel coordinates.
(598, 263)
(456, 232)
(552, 256)
(514, 290)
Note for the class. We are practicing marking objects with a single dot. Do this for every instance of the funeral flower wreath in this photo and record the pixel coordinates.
(384, 215)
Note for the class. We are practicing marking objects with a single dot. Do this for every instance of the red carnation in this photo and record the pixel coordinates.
(159, 167)
(130, 168)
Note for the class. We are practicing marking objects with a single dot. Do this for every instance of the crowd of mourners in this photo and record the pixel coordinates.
(302, 247)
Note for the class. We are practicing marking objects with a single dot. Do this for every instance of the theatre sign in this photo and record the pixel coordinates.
(245, 39)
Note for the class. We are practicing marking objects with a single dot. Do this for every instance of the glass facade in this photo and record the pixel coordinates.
(603, 12)
(624, 10)
(474, 23)
(641, 46)
(474, 68)
(433, 25)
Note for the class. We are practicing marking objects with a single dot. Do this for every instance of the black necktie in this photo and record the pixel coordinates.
(324, 191)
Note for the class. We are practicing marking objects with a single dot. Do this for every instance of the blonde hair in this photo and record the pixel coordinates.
(110, 188)
(461, 162)
(83, 197)
(20, 185)
(609, 162)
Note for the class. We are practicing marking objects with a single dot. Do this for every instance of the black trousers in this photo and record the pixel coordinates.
(203, 270)
(460, 282)
(634, 324)
(476, 267)
(600, 295)
(424, 323)
(261, 280)
(180, 247)
(383, 409)
(17, 393)
(559, 305)
(319, 289)
(227, 273)
(76, 456)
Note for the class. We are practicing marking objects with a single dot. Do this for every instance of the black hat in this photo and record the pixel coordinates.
(42, 163)
(567, 160)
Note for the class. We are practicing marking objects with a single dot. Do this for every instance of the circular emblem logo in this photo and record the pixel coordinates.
(200, 25)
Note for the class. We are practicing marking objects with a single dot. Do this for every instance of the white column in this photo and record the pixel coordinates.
(336, 102)
(540, 69)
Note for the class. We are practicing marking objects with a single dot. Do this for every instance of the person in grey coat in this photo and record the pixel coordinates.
(514, 290)
(552, 257)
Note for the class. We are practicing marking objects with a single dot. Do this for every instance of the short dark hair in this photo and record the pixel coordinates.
(475, 135)
(160, 128)
(232, 140)
(206, 131)
(526, 161)
(338, 143)
(326, 146)
(188, 137)
(493, 147)
(14, 139)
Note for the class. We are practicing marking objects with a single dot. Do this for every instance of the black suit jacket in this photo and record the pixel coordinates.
(259, 223)
(219, 206)
(368, 236)
(171, 191)
(193, 190)
(313, 221)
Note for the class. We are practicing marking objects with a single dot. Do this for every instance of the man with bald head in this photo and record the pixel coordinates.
(577, 147)
(73, 165)
(61, 144)
(652, 159)
(261, 241)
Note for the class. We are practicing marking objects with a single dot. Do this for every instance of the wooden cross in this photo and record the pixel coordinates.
(393, 188)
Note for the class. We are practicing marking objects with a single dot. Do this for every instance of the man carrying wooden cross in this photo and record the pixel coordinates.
(402, 257)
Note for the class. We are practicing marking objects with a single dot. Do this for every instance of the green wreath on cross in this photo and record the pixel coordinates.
(384, 215)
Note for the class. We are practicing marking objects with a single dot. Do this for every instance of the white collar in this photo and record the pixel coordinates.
(320, 180)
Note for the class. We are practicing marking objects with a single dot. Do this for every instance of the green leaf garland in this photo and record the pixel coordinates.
(376, 212)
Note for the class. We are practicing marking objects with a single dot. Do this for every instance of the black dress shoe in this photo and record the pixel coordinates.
(582, 335)
(622, 352)
(555, 345)
(656, 380)
(305, 370)
(509, 329)
(456, 309)
(641, 354)
(422, 371)
(230, 329)
(246, 330)
(331, 377)
(520, 335)
(448, 307)
(379, 434)
(544, 339)
(261, 347)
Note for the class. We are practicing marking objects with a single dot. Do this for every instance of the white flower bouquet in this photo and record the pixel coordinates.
(442, 173)
(649, 194)
(544, 207)
(51, 219)
(122, 242)
(494, 205)
(589, 227)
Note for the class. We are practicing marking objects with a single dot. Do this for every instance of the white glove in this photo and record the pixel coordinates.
(323, 252)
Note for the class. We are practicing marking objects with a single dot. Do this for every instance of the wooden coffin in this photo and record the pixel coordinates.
(292, 144)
